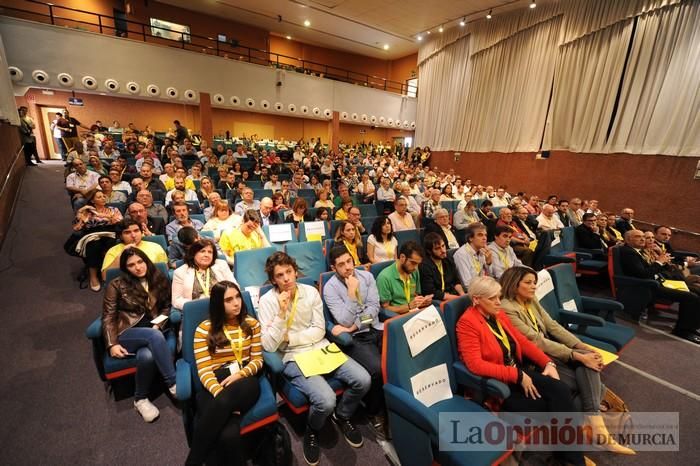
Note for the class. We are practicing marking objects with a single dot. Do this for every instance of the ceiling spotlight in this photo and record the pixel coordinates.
(289, 37)
(440, 29)
(488, 16)
(386, 47)
(533, 4)
(307, 23)
(463, 22)
(419, 38)
(427, 32)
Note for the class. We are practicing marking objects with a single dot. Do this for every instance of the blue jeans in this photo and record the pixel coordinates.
(149, 345)
(321, 395)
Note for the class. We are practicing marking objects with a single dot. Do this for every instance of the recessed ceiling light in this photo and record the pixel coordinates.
(440, 29)
(533, 4)
(463, 22)
(488, 15)
(428, 32)
(289, 37)
(386, 47)
(419, 37)
(307, 23)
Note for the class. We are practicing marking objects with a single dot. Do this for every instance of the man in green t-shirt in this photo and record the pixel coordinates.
(399, 284)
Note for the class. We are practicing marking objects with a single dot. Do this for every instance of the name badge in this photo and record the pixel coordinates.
(234, 368)
(366, 320)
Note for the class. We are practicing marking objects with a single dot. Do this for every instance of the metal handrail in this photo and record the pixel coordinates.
(209, 45)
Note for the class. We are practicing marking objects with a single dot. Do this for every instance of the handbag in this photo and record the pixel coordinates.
(617, 418)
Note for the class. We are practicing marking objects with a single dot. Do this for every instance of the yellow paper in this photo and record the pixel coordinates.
(675, 285)
(320, 361)
(533, 245)
(608, 357)
(313, 237)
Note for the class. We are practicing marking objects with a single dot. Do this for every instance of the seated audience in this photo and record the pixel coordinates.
(474, 258)
(353, 300)
(81, 184)
(98, 219)
(381, 243)
(244, 238)
(130, 234)
(189, 195)
(563, 213)
(228, 351)
(366, 189)
(345, 206)
(222, 220)
(438, 273)
(182, 219)
(322, 214)
(399, 284)
(634, 264)
(610, 235)
(110, 194)
(140, 294)
(292, 321)
(490, 346)
(547, 220)
(400, 218)
(533, 206)
(202, 270)
(324, 199)
(503, 256)
(149, 225)
(625, 222)
(298, 213)
(346, 234)
(213, 199)
(485, 212)
(155, 210)
(268, 215)
(432, 204)
(206, 189)
(588, 234)
(466, 215)
(442, 226)
(355, 217)
(662, 237)
(248, 203)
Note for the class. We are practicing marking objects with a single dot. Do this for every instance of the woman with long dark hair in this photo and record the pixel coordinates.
(229, 354)
(132, 303)
(381, 243)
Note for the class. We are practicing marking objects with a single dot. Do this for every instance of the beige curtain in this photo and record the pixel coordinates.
(659, 110)
(586, 81)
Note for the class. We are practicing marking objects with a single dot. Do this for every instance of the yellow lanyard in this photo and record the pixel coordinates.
(237, 348)
(389, 249)
(352, 249)
(502, 336)
(206, 285)
(504, 258)
(533, 320)
(442, 275)
(406, 287)
(477, 264)
(290, 319)
(358, 296)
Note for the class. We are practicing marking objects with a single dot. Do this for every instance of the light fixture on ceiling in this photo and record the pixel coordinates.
(289, 37)
(440, 29)
(488, 15)
(419, 37)
(307, 23)
(463, 22)
(386, 47)
(533, 4)
(427, 32)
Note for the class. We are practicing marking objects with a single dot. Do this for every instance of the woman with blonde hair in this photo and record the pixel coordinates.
(347, 235)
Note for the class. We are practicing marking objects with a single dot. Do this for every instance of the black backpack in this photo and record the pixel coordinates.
(275, 447)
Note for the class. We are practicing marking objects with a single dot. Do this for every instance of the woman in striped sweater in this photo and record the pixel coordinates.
(228, 352)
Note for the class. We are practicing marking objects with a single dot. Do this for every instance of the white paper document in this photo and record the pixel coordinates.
(254, 292)
(314, 228)
(432, 385)
(570, 305)
(424, 329)
(545, 285)
(279, 233)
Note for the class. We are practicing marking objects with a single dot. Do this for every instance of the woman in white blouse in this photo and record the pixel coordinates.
(222, 219)
(201, 270)
(381, 244)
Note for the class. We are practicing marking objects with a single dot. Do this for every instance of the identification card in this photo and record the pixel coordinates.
(159, 320)
(366, 320)
(234, 368)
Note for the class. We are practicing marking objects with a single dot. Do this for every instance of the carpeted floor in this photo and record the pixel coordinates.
(56, 411)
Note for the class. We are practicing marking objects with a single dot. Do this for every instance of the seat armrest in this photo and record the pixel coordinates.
(579, 318)
(595, 305)
(183, 379)
(175, 317)
(342, 340)
(273, 362)
(467, 378)
(583, 254)
(385, 314)
(624, 280)
(94, 330)
(409, 408)
(685, 253)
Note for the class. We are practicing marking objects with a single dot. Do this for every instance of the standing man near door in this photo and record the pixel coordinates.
(58, 127)
(26, 129)
(70, 136)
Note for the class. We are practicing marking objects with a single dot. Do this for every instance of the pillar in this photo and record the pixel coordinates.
(205, 118)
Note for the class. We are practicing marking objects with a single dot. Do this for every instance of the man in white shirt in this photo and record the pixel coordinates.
(180, 186)
(400, 218)
(274, 183)
(81, 184)
(474, 259)
(503, 255)
(500, 199)
(547, 220)
(292, 322)
(248, 203)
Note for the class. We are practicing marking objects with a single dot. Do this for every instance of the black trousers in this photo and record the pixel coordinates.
(29, 151)
(689, 309)
(367, 351)
(95, 252)
(217, 432)
(555, 397)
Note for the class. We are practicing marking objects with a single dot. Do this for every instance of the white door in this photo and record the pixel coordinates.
(48, 114)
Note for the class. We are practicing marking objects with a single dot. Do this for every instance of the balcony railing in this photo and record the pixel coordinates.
(57, 15)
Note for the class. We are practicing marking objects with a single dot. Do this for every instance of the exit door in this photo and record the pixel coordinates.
(48, 114)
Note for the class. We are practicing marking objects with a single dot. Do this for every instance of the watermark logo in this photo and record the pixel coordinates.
(645, 431)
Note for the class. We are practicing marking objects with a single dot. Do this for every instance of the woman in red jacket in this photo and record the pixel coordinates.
(491, 347)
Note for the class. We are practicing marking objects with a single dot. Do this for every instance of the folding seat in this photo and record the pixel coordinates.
(264, 411)
(588, 261)
(568, 295)
(404, 236)
(260, 193)
(159, 240)
(637, 295)
(416, 428)
(288, 232)
(309, 257)
(249, 266)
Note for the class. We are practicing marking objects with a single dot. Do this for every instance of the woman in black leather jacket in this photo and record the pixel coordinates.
(135, 310)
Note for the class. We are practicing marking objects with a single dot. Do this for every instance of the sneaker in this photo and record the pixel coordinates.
(312, 452)
(350, 432)
(146, 409)
(173, 390)
(379, 426)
